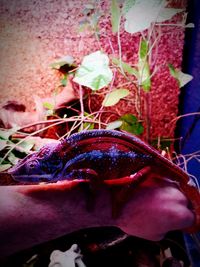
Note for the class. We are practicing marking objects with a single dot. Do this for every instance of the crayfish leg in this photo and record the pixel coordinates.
(122, 188)
(90, 185)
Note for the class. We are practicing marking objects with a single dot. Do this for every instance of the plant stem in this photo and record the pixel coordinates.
(81, 104)
(58, 121)
(148, 116)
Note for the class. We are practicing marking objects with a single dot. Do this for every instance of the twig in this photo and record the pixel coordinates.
(60, 121)
(81, 104)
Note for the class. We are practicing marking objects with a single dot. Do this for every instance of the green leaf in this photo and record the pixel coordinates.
(161, 143)
(143, 66)
(4, 167)
(94, 72)
(115, 16)
(66, 60)
(95, 20)
(127, 6)
(3, 144)
(6, 134)
(172, 70)
(190, 25)
(83, 25)
(114, 97)
(12, 158)
(63, 81)
(90, 6)
(130, 124)
(129, 118)
(48, 105)
(26, 145)
(86, 126)
(87, 9)
(143, 49)
(145, 78)
(98, 81)
(114, 125)
(143, 13)
(167, 13)
(125, 66)
(181, 77)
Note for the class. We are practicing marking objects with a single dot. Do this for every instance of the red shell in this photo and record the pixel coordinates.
(104, 139)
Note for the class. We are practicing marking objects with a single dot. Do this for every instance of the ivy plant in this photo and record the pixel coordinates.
(181, 77)
(114, 97)
(143, 66)
(128, 123)
(144, 12)
(18, 150)
(94, 71)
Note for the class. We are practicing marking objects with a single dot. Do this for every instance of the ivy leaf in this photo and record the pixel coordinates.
(63, 81)
(131, 124)
(26, 145)
(115, 16)
(88, 8)
(95, 20)
(94, 72)
(3, 144)
(86, 126)
(167, 13)
(49, 108)
(114, 125)
(66, 60)
(181, 77)
(172, 70)
(143, 49)
(48, 105)
(161, 143)
(4, 167)
(6, 134)
(190, 25)
(143, 13)
(83, 25)
(12, 158)
(143, 66)
(114, 97)
(145, 79)
(127, 6)
(125, 66)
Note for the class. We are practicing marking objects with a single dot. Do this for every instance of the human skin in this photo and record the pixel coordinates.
(32, 214)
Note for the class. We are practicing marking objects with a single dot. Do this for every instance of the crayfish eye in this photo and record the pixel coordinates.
(32, 164)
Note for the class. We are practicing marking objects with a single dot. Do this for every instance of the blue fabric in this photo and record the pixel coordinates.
(189, 127)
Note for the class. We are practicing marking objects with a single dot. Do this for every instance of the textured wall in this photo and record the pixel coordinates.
(35, 33)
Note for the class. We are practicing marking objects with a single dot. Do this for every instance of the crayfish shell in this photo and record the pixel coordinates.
(118, 145)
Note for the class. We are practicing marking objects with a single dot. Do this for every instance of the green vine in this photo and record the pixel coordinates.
(98, 70)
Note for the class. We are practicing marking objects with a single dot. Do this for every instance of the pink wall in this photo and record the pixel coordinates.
(33, 34)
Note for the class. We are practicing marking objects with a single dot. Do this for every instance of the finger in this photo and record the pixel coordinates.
(183, 218)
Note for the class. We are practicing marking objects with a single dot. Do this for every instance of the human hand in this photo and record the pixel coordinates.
(42, 212)
(154, 210)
